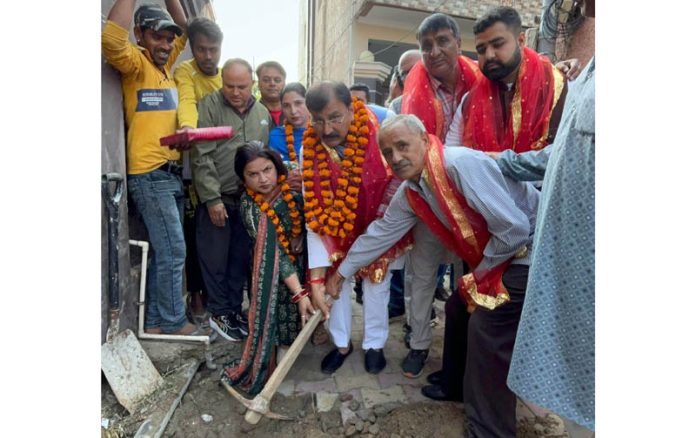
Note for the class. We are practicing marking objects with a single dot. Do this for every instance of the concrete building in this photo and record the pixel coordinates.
(361, 40)
(114, 160)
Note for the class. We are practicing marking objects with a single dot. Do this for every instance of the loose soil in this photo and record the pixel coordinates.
(206, 399)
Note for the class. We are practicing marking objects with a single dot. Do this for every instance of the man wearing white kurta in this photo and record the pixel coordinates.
(333, 113)
(375, 301)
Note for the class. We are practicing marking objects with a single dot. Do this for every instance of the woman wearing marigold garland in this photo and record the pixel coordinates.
(287, 138)
(278, 305)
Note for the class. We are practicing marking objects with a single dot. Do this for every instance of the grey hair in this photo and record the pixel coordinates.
(413, 123)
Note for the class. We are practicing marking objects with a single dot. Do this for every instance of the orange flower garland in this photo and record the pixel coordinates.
(292, 208)
(290, 140)
(337, 215)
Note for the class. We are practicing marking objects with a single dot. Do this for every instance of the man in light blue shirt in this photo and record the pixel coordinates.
(509, 210)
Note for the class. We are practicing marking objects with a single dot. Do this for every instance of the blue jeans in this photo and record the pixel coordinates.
(159, 198)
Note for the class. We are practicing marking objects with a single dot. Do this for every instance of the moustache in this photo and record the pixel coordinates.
(490, 64)
(400, 165)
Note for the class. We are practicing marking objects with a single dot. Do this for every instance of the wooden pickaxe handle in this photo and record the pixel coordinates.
(263, 398)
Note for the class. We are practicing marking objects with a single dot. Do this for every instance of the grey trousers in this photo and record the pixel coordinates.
(420, 281)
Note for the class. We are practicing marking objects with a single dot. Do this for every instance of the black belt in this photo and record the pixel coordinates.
(172, 167)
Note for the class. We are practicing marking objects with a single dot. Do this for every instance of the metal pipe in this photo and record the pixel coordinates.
(141, 304)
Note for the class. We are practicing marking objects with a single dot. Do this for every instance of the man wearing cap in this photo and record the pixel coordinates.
(154, 176)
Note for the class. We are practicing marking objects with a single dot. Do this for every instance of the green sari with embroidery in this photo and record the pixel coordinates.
(273, 319)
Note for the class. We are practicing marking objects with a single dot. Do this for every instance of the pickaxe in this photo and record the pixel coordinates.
(259, 405)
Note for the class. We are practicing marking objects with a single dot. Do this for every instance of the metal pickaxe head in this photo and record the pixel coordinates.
(258, 405)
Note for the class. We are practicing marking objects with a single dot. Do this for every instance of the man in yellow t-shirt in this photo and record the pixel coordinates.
(196, 78)
(154, 181)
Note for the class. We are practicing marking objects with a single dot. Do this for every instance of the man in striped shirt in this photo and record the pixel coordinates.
(432, 91)
(498, 215)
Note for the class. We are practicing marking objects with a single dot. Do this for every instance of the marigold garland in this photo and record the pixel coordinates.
(292, 208)
(336, 216)
(290, 140)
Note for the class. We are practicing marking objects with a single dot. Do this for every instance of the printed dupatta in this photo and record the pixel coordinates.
(273, 318)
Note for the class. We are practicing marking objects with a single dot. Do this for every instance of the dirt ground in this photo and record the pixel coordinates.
(207, 396)
(423, 419)
(208, 411)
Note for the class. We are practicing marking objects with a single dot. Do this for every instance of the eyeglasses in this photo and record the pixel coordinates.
(335, 120)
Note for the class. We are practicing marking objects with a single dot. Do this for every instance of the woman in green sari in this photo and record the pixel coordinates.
(278, 305)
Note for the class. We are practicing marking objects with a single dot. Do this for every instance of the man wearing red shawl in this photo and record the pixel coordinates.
(518, 102)
(488, 221)
(517, 105)
(347, 185)
(436, 84)
(432, 91)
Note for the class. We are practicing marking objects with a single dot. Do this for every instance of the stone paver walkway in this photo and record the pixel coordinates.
(369, 390)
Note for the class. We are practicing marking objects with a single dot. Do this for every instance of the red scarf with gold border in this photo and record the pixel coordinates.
(538, 87)
(466, 233)
(420, 99)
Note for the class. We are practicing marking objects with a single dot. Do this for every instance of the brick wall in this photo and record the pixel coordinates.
(333, 52)
(528, 9)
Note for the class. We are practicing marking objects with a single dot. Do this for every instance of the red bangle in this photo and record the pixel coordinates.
(298, 296)
(317, 281)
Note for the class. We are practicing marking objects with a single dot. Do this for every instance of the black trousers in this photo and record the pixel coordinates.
(225, 259)
(194, 278)
(489, 404)
(477, 351)
(454, 349)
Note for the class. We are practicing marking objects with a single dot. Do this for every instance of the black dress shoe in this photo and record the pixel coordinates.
(374, 361)
(436, 392)
(334, 360)
(435, 378)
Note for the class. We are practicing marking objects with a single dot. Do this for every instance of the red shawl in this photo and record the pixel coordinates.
(466, 233)
(420, 99)
(539, 86)
(375, 192)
